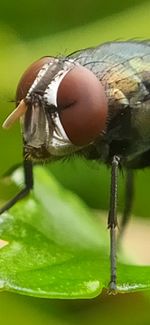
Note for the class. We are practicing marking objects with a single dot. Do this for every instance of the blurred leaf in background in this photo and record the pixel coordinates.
(34, 19)
(53, 246)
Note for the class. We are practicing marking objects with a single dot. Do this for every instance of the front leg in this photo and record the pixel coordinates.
(28, 185)
(112, 220)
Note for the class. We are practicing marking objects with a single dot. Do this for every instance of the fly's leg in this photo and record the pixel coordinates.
(28, 179)
(129, 194)
(112, 221)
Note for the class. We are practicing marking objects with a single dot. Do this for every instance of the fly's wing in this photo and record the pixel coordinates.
(112, 52)
(122, 67)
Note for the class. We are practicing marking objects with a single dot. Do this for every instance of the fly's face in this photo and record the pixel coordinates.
(62, 108)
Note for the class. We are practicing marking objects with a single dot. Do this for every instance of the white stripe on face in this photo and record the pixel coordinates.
(39, 76)
(50, 94)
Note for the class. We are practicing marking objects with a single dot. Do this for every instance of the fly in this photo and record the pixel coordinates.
(95, 102)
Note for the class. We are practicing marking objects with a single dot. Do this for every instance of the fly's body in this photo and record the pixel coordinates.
(94, 102)
(123, 68)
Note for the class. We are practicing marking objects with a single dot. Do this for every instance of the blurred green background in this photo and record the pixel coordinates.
(29, 30)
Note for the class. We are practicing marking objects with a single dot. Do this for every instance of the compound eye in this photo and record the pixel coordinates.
(82, 105)
(29, 76)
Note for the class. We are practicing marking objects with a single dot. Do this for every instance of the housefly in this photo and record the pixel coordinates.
(94, 102)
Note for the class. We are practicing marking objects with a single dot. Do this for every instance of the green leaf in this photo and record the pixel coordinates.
(52, 245)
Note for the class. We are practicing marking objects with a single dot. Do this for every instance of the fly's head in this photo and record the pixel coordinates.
(62, 108)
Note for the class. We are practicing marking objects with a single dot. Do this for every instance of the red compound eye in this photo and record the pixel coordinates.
(29, 76)
(83, 106)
